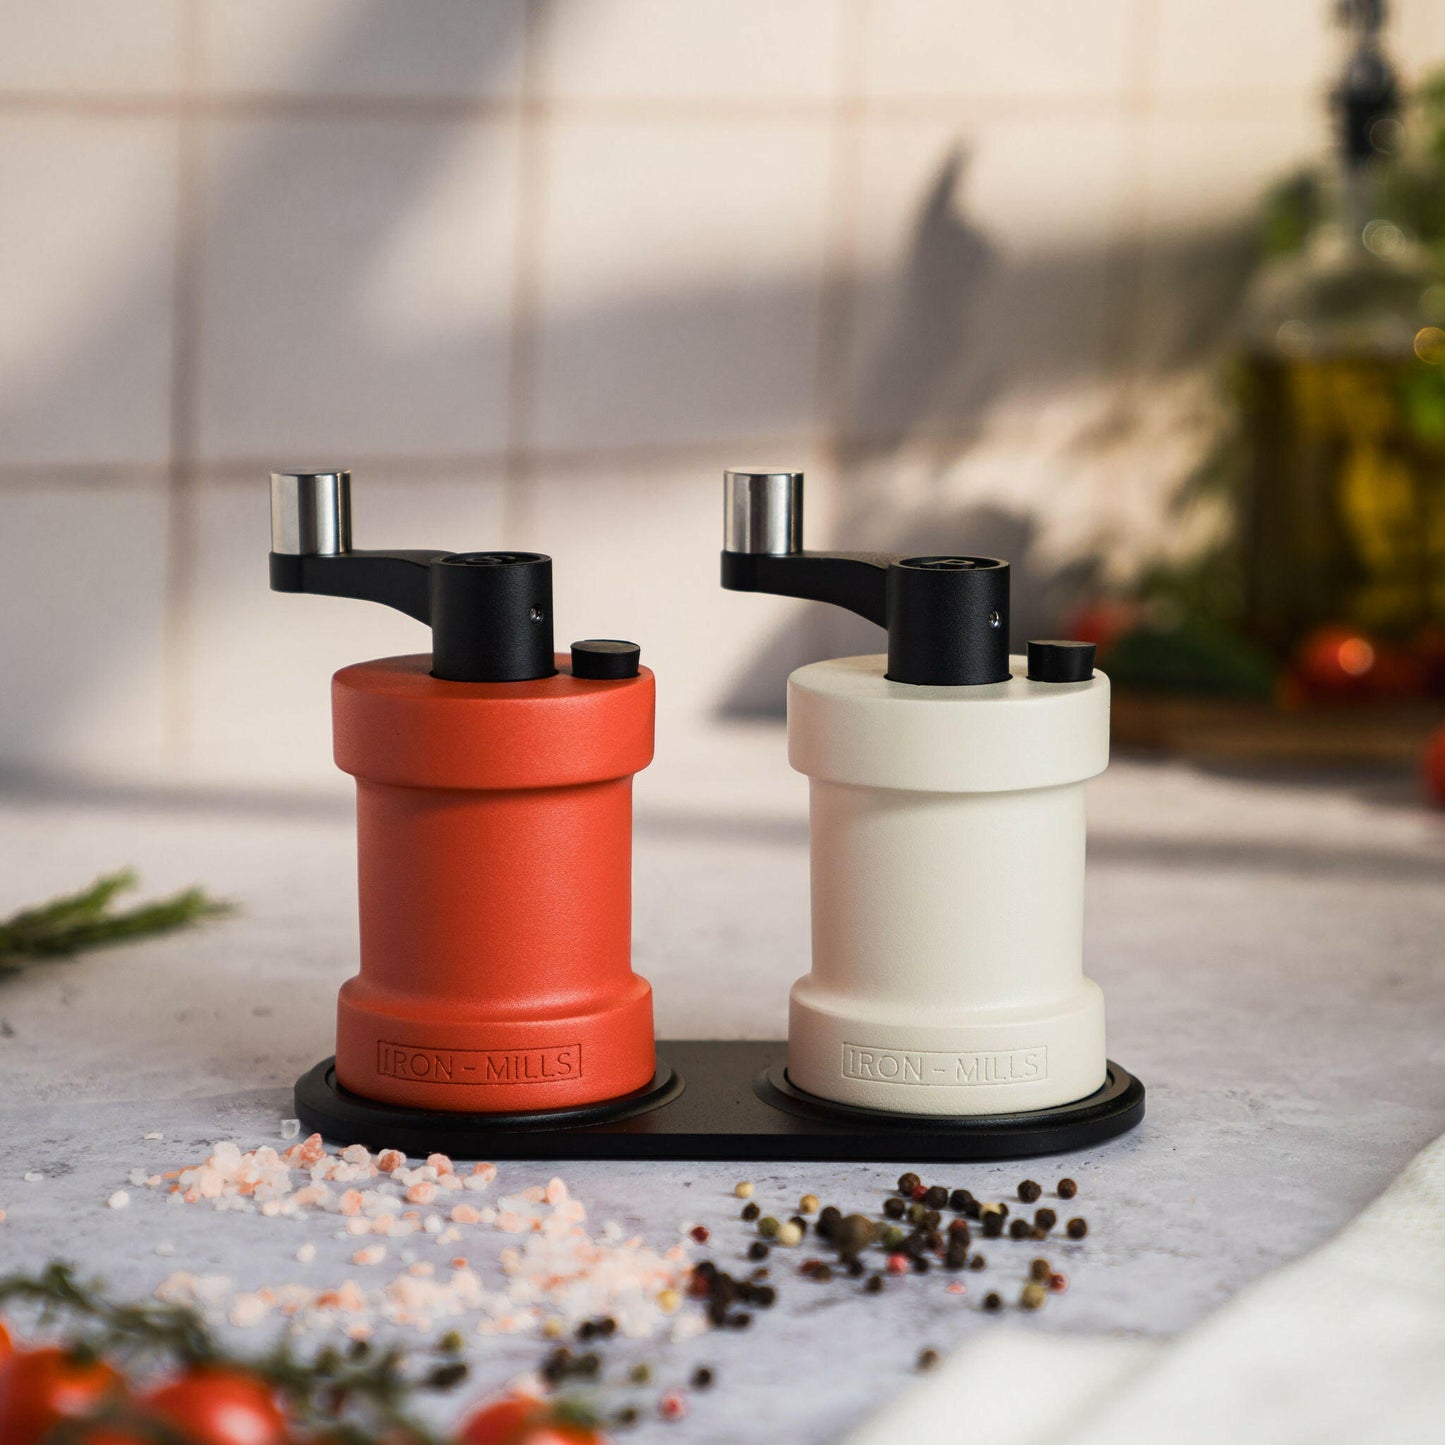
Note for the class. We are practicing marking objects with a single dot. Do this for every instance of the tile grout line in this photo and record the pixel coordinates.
(524, 334)
(837, 301)
(181, 521)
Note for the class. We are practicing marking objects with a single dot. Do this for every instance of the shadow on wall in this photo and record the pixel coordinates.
(966, 327)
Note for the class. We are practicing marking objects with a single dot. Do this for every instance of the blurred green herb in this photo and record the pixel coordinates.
(80, 921)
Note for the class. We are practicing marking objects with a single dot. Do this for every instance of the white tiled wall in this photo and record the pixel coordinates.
(538, 269)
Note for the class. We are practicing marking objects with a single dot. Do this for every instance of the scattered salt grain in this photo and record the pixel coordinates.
(290, 1129)
(371, 1254)
(33, 1176)
(137, 1178)
(165, 1249)
(306, 1254)
(156, 1134)
(119, 1200)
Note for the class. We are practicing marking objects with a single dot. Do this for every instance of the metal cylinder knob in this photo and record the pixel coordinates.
(762, 511)
(311, 513)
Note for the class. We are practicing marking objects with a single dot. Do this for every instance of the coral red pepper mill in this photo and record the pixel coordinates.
(494, 841)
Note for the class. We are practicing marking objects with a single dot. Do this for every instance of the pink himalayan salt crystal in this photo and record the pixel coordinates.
(556, 1191)
(390, 1160)
(466, 1214)
(440, 1162)
(350, 1202)
(370, 1254)
(421, 1193)
(485, 1172)
(356, 1154)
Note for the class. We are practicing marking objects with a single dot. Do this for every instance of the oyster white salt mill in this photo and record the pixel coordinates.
(946, 830)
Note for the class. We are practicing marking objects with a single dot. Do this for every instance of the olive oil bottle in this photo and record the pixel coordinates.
(1342, 513)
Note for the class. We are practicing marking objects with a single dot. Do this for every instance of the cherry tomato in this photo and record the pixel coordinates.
(41, 1387)
(1336, 661)
(215, 1406)
(1435, 766)
(522, 1420)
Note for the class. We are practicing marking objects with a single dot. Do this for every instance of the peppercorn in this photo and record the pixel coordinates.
(958, 1229)
(588, 1364)
(1020, 1229)
(897, 1264)
(931, 1219)
(873, 1283)
(854, 1267)
(738, 1321)
(914, 1245)
(606, 1327)
(800, 1222)
(958, 1200)
(915, 1213)
(1029, 1191)
(790, 1234)
(893, 1237)
(1067, 1188)
(764, 1296)
(928, 1359)
(1058, 1283)
(750, 1212)
(1040, 1270)
(920, 1264)
(1032, 1297)
(700, 1233)
(1002, 1208)
(828, 1220)
(956, 1257)
(907, 1183)
(757, 1250)
(854, 1232)
(971, 1207)
(893, 1208)
(991, 1302)
(936, 1197)
(586, 1330)
(640, 1374)
(702, 1378)
(768, 1227)
(978, 1262)
(1045, 1219)
(743, 1189)
(823, 1273)
(992, 1224)
(626, 1417)
(808, 1204)
(1077, 1228)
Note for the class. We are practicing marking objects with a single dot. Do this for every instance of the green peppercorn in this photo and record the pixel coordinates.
(854, 1233)
(1029, 1191)
(893, 1236)
(1077, 1228)
(915, 1212)
(640, 1374)
(768, 1227)
(1067, 1188)
(1033, 1296)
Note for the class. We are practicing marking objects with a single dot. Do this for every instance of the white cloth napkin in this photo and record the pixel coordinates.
(1343, 1347)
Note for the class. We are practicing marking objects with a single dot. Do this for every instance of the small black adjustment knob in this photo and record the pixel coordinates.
(605, 658)
(1061, 661)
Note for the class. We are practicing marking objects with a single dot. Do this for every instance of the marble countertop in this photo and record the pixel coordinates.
(1270, 949)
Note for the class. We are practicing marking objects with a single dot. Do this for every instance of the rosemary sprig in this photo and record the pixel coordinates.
(79, 921)
(356, 1396)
